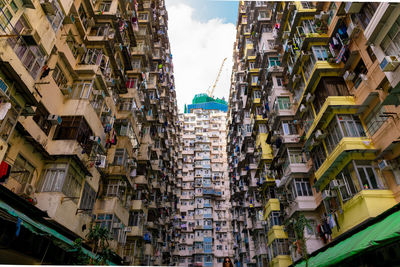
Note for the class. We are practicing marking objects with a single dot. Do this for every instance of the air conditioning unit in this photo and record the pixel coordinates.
(327, 193)
(296, 78)
(310, 98)
(303, 108)
(54, 119)
(319, 135)
(349, 75)
(334, 184)
(101, 161)
(390, 63)
(95, 139)
(384, 165)
(353, 30)
(27, 189)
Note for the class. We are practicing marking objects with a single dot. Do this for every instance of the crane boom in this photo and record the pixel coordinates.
(211, 92)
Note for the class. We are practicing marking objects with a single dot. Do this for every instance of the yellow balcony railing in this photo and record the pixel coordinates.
(272, 205)
(348, 148)
(332, 106)
(364, 205)
(276, 232)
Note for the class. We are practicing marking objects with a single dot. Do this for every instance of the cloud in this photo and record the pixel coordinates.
(198, 49)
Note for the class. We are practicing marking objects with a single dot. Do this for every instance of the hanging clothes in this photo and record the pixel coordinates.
(5, 170)
(4, 107)
(321, 233)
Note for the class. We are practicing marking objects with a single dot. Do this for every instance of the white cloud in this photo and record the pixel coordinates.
(198, 49)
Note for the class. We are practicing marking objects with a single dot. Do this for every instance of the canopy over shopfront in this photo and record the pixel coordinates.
(377, 233)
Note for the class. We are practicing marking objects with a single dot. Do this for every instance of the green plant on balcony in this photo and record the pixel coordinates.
(99, 239)
(298, 224)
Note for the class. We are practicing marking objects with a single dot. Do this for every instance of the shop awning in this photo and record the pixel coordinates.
(41, 229)
(373, 237)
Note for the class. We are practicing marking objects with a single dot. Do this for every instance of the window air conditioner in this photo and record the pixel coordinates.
(27, 189)
(390, 63)
(334, 184)
(384, 165)
(319, 135)
(303, 108)
(310, 98)
(349, 75)
(54, 119)
(95, 139)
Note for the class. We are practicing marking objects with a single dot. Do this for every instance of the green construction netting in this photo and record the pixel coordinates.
(204, 98)
(377, 235)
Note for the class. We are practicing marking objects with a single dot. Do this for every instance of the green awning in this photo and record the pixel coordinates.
(393, 98)
(41, 229)
(373, 237)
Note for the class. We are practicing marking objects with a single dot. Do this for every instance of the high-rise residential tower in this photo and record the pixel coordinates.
(88, 131)
(313, 133)
(203, 191)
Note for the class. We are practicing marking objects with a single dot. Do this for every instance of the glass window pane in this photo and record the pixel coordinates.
(372, 178)
(363, 177)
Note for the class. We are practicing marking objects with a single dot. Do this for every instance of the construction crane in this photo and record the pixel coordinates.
(210, 92)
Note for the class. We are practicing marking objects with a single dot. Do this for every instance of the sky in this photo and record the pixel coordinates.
(202, 34)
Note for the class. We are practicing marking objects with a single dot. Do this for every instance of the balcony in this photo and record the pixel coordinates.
(138, 205)
(364, 205)
(276, 232)
(332, 105)
(319, 69)
(347, 149)
(135, 231)
(140, 180)
(301, 203)
(272, 205)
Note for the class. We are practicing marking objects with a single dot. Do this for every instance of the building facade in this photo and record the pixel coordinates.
(313, 115)
(203, 190)
(89, 133)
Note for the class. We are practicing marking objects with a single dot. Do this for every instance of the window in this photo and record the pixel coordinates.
(375, 119)
(367, 176)
(88, 198)
(343, 126)
(105, 6)
(274, 218)
(219, 247)
(41, 118)
(301, 187)
(59, 77)
(274, 62)
(75, 128)
(295, 156)
(120, 156)
(116, 188)
(284, 103)
(131, 83)
(63, 178)
(82, 89)
(279, 81)
(57, 17)
(371, 54)
(320, 53)
(366, 13)
(289, 128)
(22, 170)
(254, 79)
(346, 185)
(280, 247)
(71, 42)
(318, 156)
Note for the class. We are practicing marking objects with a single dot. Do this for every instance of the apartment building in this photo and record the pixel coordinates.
(313, 135)
(203, 189)
(89, 134)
